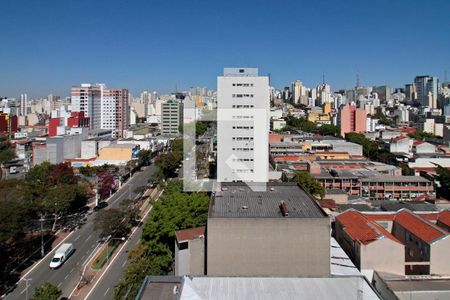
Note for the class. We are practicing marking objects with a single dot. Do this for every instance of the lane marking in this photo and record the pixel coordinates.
(59, 284)
(66, 276)
(40, 261)
(89, 236)
(117, 255)
(104, 295)
(124, 263)
(83, 257)
(72, 270)
(76, 239)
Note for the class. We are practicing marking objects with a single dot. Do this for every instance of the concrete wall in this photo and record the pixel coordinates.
(190, 261)
(268, 246)
(88, 149)
(440, 257)
(374, 256)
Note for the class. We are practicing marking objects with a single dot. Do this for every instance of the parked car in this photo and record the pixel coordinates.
(101, 205)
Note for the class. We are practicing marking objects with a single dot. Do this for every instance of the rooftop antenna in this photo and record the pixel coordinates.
(323, 78)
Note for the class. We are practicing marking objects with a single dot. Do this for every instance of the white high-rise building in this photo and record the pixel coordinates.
(242, 129)
(23, 104)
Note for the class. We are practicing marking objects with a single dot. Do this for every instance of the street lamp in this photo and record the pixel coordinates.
(107, 246)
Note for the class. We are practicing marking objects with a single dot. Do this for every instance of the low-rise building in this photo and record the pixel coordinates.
(190, 251)
(366, 243)
(280, 232)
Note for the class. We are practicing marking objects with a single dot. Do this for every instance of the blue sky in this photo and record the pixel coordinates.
(48, 46)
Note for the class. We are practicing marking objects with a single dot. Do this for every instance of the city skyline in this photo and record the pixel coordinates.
(161, 46)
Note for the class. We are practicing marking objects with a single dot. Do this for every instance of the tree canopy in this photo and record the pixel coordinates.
(154, 255)
(47, 291)
(309, 184)
(6, 153)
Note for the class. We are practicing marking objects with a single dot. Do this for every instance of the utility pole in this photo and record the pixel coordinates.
(42, 235)
(26, 287)
(96, 190)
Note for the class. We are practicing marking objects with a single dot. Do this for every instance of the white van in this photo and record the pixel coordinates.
(61, 255)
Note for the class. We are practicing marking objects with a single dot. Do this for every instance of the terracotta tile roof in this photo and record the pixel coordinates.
(417, 142)
(190, 234)
(444, 217)
(361, 229)
(418, 226)
(398, 138)
(390, 216)
(328, 203)
(288, 158)
(275, 137)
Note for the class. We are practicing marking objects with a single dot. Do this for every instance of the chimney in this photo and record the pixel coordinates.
(284, 209)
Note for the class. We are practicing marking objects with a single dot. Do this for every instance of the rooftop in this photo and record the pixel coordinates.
(421, 228)
(237, 200)
(386, 178)
(444, 217)
(190, 234)
(361, 229)
(262, 288)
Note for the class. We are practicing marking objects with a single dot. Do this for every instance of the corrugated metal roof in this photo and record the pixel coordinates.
(239, 201)
(262, 288)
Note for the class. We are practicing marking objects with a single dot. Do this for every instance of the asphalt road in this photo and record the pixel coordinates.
(105, 286)
(85, 241)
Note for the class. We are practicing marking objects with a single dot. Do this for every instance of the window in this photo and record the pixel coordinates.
(183, 246)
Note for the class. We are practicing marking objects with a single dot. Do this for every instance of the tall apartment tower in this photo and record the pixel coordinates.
(87, 98)
(427, 90)
(243, 125)
(23, 104)
(352, 119)
(172, 116)
(114, 110)
(107, 108)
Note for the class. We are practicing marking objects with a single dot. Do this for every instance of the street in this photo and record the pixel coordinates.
(85, 242)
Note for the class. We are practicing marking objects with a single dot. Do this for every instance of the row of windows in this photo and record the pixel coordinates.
(242, 84)
(242, 138)
(242, 95)
(242, 106)
(242, 149)
(242, 171)
(242, 127)
(242, 117)
(242, 159)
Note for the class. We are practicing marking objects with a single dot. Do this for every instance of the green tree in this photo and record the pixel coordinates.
(200, 128)
(145, 157)
(154, 255)
(112, 222)
(62, 200)
(6, 153)
(46, 292)
(309, 184)
(443, 179)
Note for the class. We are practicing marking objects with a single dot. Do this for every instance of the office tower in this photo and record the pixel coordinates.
(172, 116)
(87, 98)
(114, 110)
(23, 104)
(384, 92)
(243, 125)
(427, 90)
(352, 119)
(410, 92)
